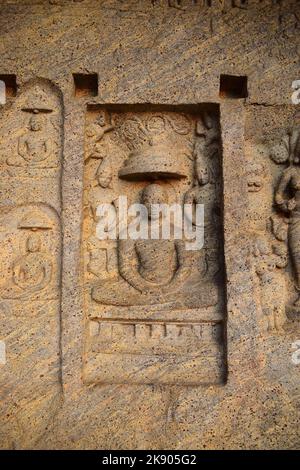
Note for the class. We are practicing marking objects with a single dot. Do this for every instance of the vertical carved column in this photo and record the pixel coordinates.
(72, 216)
(242, 323)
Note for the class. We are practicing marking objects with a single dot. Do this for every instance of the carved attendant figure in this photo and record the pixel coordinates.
(199, 193)
(202, 193)
(287, 199)
(102, 252)
(100, 127)
(102, 191)
(96, 132)
(268, 262)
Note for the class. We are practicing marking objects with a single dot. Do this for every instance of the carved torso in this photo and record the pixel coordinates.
(157, 260)
(31, 270)
(33, 148)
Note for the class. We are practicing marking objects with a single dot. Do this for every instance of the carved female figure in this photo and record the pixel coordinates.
(287, 199)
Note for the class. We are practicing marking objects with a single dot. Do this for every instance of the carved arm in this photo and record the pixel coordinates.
(47, 145)
(17, 274)
(184, 267)
(280, 198)
(47, 274)
(128, 266)
(22, 147)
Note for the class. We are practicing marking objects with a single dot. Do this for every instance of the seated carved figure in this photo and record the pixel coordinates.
(34, 148)
(154, 271)
(31, 273)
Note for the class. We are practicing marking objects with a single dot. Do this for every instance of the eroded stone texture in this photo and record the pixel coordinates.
(144, 344)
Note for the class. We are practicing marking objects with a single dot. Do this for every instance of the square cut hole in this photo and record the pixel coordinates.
(10, 82)
(233, 86)
(85, 84)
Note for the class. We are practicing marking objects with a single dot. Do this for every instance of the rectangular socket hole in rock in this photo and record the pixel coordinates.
(233, 86)
(10, 84)
(85, 84)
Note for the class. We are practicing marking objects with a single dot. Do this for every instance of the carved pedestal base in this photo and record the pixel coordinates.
(162, 353)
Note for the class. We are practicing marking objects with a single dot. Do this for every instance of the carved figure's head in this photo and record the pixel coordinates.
(256, 174)
(33, 243)
(101, 120)
(35, 123)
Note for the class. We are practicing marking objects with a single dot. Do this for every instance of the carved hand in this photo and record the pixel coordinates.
(291, 204)
(279, 199)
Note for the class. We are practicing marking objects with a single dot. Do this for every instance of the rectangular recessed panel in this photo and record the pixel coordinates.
(154, 301)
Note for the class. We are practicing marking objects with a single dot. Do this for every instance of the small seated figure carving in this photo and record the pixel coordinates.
(154, 271)
(34, 148)
(31, 273)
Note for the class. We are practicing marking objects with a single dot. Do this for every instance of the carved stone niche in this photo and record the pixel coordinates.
(273, 177)
(154, 309)
(30, 258)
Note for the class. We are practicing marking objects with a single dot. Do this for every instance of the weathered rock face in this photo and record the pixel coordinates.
(143, 342)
